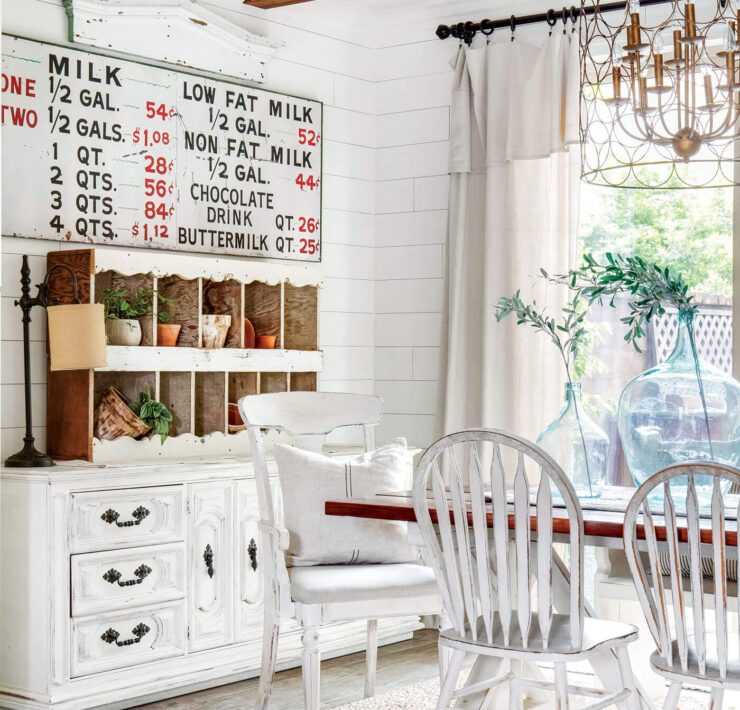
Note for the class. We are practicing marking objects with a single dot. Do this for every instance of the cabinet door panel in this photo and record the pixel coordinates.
(248, 563)
(211, 564)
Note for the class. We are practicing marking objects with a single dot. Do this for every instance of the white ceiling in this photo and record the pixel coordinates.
(396, 19)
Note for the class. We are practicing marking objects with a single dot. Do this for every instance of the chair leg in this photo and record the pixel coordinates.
(271, 634)
(371, 657)
(628, 679)
(672, 696)
(717, 696)
(450, 680)
(311, 668)
(516, 693)
(561, 686)
(444, 651)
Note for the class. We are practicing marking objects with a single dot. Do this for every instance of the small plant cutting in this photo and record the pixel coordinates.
(119, 305)
(153, 413)
(122, 312)
(569, 335)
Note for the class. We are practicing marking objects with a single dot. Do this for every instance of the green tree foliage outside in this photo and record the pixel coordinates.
(688, 230)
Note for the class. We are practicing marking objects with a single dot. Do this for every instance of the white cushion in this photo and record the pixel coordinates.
(308, 480)
(331, 584)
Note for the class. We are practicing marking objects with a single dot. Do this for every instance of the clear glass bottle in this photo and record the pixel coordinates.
(564, 440)
(663, 419)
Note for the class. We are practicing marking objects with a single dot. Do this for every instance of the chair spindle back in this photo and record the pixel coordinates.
(481, 551)
(670, 627)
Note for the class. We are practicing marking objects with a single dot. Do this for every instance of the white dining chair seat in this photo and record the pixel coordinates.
(342, 588)
(658, 662)
(596, 633)
(342, 583)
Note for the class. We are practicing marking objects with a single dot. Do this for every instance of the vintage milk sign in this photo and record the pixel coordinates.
(102, 150)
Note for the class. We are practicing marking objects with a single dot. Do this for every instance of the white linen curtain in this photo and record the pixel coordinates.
(513, 209)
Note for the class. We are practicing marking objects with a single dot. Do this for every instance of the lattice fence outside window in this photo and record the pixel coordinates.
(712, 326)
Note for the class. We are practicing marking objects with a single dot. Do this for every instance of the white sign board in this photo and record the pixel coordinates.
(101, 150)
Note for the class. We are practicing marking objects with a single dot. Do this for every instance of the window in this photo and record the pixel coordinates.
(690, 231)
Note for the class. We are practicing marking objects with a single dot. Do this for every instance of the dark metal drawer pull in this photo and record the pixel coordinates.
(111, 516)
(208, 557)
(111, 635)
(252, 551)
(114, 576)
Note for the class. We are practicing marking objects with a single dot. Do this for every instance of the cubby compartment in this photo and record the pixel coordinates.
(224, 298)
(176, 393)
(129, 384)
(273, 382)
(242, 384)
(131, 284)
(301, 318)
(262, 308)
(210, 402)
(303, 382)
(185, 307)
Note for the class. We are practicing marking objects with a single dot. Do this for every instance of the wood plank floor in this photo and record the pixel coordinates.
(342, 680)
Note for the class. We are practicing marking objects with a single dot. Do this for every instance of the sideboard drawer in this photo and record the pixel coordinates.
(127, 638)
(106, 520)
(103, 581)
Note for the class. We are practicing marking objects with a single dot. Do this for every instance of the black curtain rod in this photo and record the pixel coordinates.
(465, 31)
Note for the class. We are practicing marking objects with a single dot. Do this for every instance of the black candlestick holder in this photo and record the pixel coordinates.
(29, 456)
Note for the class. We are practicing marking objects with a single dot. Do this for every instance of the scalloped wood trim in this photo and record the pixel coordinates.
(186, 266)
(149, 449)
(167, 31)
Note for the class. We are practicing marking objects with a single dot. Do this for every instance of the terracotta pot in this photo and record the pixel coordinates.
(215, 329)
(114, 418)
(248, 334)
(265, 342)
(236, 423)
(123, 331)
(167, 334)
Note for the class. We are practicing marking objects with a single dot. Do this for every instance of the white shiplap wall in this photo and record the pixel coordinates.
(413, 129)
(386, 123)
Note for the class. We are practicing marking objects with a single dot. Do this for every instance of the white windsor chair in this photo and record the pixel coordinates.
(486, 573)
(700, 657)
(317, 595)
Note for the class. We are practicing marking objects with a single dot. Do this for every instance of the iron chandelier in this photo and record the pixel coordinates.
(660, 100)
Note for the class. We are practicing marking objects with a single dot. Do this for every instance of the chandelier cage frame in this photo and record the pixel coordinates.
(660, 103)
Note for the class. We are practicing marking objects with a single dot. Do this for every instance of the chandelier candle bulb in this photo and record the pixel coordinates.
(659, 71)
(617, 83)
(708, 90)
(690, 15)
(677, 49)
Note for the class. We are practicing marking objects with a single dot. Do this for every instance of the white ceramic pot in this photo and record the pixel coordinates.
(120, 331)
(215, 330)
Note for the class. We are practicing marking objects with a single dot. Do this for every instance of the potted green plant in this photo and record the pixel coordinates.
(680, 409)
(122, 312)
(153, 413)
(167, 332)
(573, 439)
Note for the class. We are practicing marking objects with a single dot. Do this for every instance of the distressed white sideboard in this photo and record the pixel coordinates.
(126, 583)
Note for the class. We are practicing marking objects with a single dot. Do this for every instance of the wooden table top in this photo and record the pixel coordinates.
(607, 524)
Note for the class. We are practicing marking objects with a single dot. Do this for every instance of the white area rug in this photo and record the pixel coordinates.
(423, 696)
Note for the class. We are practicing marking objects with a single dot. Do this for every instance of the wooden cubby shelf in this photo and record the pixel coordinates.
(195, 383)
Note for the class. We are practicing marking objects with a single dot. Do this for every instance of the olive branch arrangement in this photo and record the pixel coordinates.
(649, 286)
(569, 336)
